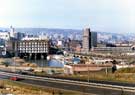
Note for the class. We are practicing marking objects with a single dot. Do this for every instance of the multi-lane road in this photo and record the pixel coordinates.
(95, 88)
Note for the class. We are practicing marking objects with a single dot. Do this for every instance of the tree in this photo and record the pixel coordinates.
(114, 68)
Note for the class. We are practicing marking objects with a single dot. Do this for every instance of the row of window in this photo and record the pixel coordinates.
(34, 43)
(33, 46)
(33, 51)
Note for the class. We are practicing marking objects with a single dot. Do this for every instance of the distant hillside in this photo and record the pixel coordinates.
(47, 30)
(71, 33)
(74, 34)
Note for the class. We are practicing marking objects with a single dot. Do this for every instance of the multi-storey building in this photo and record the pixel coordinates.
(89, 40)
(93, 39)
(86, 40)
(33, 47)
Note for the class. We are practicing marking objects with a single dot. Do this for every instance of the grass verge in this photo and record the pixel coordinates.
(19, 88)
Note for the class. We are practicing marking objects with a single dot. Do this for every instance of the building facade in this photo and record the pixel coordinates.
(93, 39)
(4, 35)
(35, 48)
(86, 40)
(89, 40)
(113, 49)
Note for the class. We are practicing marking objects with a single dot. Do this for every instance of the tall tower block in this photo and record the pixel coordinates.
(89, 40)
(86, 40)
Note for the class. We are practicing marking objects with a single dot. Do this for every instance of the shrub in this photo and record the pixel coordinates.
(6, 63)
(126, 70)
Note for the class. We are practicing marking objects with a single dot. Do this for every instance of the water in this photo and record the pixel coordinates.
(45, 63)
(40, 63)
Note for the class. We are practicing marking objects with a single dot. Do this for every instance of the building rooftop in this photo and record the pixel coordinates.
(36, 38)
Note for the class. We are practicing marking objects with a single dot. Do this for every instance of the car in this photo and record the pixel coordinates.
(18, 71)
(15, 78)
(28, 69)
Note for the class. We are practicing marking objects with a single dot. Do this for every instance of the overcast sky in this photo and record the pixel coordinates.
(100, 15)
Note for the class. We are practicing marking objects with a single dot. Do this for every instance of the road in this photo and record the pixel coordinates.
(83, 87)
(3, 77)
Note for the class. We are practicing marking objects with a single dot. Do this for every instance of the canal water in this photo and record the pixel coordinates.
(53, 62)
(45, 63)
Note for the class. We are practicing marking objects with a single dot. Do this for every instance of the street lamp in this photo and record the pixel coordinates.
(88, 72)
(15, 55)
(42, 63)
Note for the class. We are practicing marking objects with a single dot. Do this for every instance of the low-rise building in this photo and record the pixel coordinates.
(113, 49)
(5, 35)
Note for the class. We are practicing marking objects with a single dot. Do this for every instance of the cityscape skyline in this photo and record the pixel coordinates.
(104, 16)
(64, 47)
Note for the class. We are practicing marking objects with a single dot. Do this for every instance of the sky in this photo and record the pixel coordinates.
(100, 15)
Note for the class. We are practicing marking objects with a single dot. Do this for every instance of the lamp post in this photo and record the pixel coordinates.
(88, 73)
(42, 61)
(15, 55)
(106, 70)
